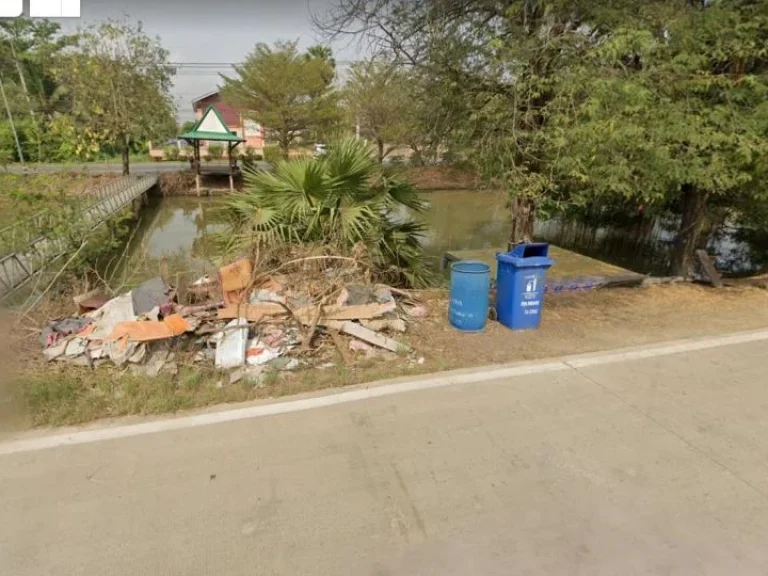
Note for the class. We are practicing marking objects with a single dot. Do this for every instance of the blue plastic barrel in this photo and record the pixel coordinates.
(470, 284)
(520, 280)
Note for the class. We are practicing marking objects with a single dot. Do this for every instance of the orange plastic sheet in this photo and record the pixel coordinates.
(168, 327)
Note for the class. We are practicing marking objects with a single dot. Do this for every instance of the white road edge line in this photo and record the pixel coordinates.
(364, 393)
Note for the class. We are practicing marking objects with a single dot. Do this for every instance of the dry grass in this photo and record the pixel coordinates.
(440, 178)
(582, 322)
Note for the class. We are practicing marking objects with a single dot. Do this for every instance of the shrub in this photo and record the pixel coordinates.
(215, 151)
(171, 153)
(272, 154)
(342, 200)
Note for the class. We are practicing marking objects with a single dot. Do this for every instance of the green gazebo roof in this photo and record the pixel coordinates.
(211, 127)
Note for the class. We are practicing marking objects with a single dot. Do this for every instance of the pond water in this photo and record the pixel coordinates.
(179, 230)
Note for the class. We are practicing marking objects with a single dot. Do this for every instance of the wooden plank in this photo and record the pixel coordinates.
(356, 312)
(252, 312)
(374, 338)
(709, 269)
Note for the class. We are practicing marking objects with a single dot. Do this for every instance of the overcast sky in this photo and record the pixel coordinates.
(212, 31)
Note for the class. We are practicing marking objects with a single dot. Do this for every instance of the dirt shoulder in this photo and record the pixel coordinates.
(572, 323)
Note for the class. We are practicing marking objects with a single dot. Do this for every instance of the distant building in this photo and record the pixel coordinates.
(250, 131)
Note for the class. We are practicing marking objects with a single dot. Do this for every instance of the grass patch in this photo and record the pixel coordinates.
(23, 195)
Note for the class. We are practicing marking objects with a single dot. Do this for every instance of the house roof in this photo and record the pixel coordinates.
(211, 127)
(204, 96)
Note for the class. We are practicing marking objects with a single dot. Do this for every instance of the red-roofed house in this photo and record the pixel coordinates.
(248, 130)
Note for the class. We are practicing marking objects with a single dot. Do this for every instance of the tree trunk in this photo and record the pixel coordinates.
(380, 149)
(126, 153)
(691, 224)
(522, 216)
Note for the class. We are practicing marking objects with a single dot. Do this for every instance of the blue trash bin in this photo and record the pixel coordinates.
(520, 279)
(470, 284)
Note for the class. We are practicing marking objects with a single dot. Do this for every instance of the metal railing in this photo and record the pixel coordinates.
(29, 245)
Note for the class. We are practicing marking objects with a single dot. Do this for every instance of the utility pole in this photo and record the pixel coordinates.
(10, 121)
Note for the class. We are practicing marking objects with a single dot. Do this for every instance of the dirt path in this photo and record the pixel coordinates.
(598, 320)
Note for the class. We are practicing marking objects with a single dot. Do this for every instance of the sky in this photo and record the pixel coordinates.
(214, 31)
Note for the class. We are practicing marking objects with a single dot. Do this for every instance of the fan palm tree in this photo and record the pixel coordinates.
(341, 199)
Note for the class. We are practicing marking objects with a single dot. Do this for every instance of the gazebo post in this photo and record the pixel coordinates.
(212, 128)
(231, 166)
(197, 166)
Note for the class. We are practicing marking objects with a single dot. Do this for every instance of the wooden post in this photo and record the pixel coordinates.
(196, 152)
(231, 167)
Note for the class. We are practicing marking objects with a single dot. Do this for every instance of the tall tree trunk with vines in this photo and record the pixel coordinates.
(126, 155)
(522, 212)
(687, 240)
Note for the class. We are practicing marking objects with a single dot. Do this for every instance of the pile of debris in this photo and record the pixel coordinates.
(239, 319)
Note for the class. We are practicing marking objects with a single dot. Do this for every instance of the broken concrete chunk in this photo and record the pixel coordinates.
(372, 337)
(230, 351)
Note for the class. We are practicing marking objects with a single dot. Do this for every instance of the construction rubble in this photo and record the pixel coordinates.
(311, 312)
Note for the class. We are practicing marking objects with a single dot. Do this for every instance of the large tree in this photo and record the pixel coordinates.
(118, 81)
(29, 52)
(288, 92)
(378, 98)
(676, 117)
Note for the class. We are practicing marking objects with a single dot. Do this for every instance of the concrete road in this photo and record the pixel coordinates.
(112, 167)
(650, 466)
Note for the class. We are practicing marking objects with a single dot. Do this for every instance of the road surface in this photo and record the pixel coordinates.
(112, 167)
(657, 465)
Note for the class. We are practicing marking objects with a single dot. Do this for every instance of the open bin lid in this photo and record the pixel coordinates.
(528, 255)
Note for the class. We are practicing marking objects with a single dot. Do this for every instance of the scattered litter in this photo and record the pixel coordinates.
(53, 352)
(138, 331)
(237, 375)
(75, 347)
(203, 288)
(241, 319)
(55, 330)
(235, 278)
(416, 311)
(266, 296)
(252, 312)
(373, 337)
(259, 352)
(394, 324)
(105, 319)
(284, 363)
(92, 300)
(152, 293)
(358, 346)
(420, 360)
(230, 351)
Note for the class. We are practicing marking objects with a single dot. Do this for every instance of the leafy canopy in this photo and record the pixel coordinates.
(289, 92)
